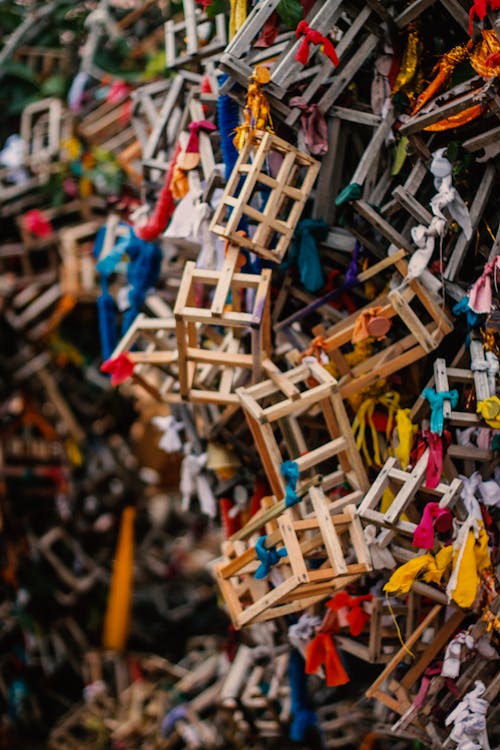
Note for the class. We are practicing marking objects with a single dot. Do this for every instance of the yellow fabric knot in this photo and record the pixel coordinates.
(404, 434)
(489, 409)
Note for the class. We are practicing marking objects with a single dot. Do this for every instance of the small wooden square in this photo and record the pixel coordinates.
(270, 200)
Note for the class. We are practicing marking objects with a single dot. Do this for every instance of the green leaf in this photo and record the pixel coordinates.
(290, 12)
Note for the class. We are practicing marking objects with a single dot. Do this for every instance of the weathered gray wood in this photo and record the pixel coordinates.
(476, 211)
(347, 72)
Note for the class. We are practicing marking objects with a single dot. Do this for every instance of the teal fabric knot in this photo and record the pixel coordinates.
(290, 471)
(267, 557)
(436, 401)
(304, 252)
(352, 192)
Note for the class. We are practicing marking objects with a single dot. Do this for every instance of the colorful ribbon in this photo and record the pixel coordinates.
(479, 9)
(480, 296)
(290, 471)
(193, 144)
(436, 401)
(356, 616)
(322, 651)
(311, 36)
(489, 409)
(121, 368)
(433, 518)
(313, 124)
(268, 557)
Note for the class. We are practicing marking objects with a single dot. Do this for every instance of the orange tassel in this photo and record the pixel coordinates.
(117, 620)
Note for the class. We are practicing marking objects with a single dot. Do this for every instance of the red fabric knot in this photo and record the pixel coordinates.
(193, 145)
(313, 124)
(356, 616)
(120, 368)
(35, 222)
(322, 651)
(311, 36)
(479, 8)
(433, 518)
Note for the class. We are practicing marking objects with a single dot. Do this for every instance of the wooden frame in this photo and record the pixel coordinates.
(397, 695)
(151, 345)
(289, 406)
(422, 339)
(295, 585)
(407, 486)
(444, 379)
(78, 268)
(186, 32)
(287, 74)
(227, 284)
(276, 222)
(379, 640)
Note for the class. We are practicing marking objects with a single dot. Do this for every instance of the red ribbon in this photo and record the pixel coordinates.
(35, 222)
(356, 617)
(120, 368)
(313, 37)
(163, 209)
(321, 650)
(480, 8)
(193, 145)
(433, 518)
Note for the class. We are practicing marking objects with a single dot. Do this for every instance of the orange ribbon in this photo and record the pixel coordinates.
(322, 651)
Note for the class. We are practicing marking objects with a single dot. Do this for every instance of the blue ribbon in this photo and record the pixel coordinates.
(436, 403)
(304, 251)
(303, 717)
(290, 471)
(267, 557)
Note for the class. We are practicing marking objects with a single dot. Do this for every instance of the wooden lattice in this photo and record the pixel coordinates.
(317, 539)
(285, 403)
(397, 694)
(150, 344)
(282, 196)
(195, 37)
(410, 497)
(224, 311)
(418, 327)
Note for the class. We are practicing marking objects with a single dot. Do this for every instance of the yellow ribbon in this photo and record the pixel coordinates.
(405, 432)
(408, 70)
(238, 16)
(364, 420)
(489, 409)
(257, 112)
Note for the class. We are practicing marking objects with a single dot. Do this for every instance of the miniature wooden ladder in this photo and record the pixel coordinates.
(322, 399)
(317, 536)
(191, 320)
(276, 222)
(410, 484)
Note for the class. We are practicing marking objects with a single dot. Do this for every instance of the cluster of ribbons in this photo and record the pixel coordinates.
(467, 559)
(321, 651)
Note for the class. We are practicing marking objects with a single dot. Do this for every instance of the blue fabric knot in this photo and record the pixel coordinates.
(290, 471)
(267, 557)
(472, 318)
(436, 403)
(304, 251)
